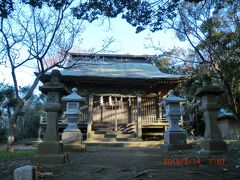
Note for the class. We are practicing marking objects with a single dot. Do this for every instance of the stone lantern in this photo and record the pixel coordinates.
(51, 150)
(174, 137)
(213, 142)
(72, 136)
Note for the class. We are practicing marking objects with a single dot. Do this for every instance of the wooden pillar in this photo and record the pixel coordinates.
(90, 116)
(160, 111)
(116, 120)
(139, 118)
(129, 114)
(157, 107)
(101, 114)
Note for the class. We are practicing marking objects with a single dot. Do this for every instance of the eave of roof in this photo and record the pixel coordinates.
(113, 67)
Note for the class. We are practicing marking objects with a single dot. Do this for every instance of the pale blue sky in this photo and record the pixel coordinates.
(127, 42)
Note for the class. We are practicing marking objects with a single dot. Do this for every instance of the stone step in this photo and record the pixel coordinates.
(97, 136)
(100, 131)
(124, 136)
(128, 131)
(110, 135)
(130, 125)
(102, 140)
(109, 140)
(145, 144)
(123, 139)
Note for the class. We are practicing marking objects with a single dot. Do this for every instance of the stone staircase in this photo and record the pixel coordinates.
(129, 128)
(126, 132)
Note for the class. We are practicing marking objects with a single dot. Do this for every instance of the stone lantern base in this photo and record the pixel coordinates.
(214, 146)
(51, 152)
(72, 141)
(175, 140)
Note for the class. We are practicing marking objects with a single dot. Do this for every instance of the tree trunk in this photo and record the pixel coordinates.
(12, 126)
(11, 136)
(14, 117)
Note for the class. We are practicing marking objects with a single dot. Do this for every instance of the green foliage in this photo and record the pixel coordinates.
(140, 14)
(28, 122)
(7, 6)
(212, 29)
(18, 154)
(164, 65)
(3, 134)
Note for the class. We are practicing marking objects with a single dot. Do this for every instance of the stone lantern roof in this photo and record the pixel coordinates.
(172, 98)
(73, 97)
(54, 84)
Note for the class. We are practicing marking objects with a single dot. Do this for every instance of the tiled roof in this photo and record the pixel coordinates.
(116, 68)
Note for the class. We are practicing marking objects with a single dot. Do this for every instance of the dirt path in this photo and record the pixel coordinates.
(138, 163)
(118, 163)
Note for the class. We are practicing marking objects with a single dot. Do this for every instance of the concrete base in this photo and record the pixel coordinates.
(50, 147)
(52, 158)
(71, 136)
(175, 147)
(175, 141)
(214, 146)
(74, 147)
(51, 152)
(175, 137)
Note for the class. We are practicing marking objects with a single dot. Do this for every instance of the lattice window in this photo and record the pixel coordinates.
(175, 108)
(72, 106)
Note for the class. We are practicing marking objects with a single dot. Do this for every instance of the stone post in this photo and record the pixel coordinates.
(139, 118)
(72, 137)
(27, 172)
(174, 137)
(90, 116)
(51, 150)
(213, 142)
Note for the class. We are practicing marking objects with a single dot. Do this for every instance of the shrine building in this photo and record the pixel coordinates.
(122, 94)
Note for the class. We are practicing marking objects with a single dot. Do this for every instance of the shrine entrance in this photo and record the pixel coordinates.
(113, 112)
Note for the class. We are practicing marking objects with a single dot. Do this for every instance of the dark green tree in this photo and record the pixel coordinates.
(212, 29)
(141, 14)
(28, 122)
